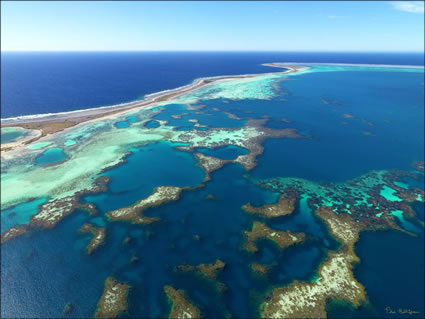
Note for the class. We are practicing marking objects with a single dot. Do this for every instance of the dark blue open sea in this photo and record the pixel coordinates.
(45, 269)
(36, 83)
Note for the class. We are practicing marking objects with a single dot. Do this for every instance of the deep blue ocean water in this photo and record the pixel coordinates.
(35, 83)
(44, 270)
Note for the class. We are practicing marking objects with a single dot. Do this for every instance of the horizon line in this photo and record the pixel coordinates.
(203, 51)
(195, 50)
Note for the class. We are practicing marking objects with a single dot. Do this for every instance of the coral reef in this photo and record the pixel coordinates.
(114, 299)
(180, 306)
(282, 238)
(285, 206)
(208, 270)
(98, 239)
(308, 300)
(133, 213)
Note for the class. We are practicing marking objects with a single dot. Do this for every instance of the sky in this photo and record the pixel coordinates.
(366, 26)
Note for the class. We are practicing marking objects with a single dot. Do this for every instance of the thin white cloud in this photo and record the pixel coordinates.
(409, 6)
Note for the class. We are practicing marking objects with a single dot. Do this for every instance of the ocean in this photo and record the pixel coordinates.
(353, 121)
(50, 82)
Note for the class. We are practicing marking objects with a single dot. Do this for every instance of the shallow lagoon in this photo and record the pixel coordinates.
(11, 134)
(51, 156)
(152, 124)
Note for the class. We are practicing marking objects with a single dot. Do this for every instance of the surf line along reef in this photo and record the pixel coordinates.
(94, 145)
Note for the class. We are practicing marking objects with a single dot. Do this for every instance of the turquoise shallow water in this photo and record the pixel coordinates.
(210, 116)
(122, 124)
(45, 269)
(20, 214)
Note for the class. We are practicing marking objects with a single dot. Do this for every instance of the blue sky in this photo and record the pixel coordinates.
(212, 26)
